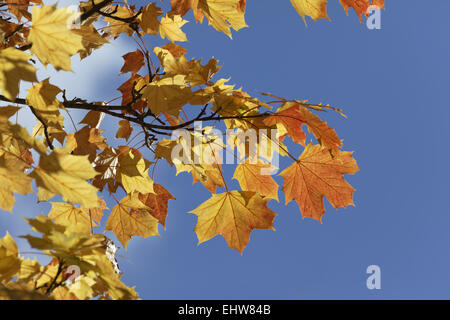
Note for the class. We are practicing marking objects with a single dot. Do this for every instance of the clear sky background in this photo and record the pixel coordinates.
(393, 84)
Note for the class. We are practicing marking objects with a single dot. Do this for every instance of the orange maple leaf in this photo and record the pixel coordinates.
(293, 115)
(157, 203)
(361, 6)
(317, 174)
(251, 177)
(289, 118)
(133, 62)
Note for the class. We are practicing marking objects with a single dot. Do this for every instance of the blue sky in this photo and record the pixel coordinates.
(392, 84)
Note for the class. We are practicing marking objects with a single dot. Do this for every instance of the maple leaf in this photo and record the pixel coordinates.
(224, 14)
(361, 6)
(66, 214)
(233, 215)
(208, 174)
(176, 50)
(88, 141)
(53, 40)
(92, 40)
(29, 269)
(66, 175)
(42, 97)
(96, 213)
(19, 7)
(164, 149)
(9, 258)
(167, 95)
(171, 28)
(124, 166)
(289, 119)
(133, 62)
(195, 73)
(317, 174)
(125, 130)
(14, 66)
(130, 218)
(255, 177)
(157, 202)
(316, 9)
(182, 7)
(149, 19)
(288, 122)
(132, 171)
(12, 180)
(92, 118)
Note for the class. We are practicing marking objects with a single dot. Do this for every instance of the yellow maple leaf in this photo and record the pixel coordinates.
(224, 14)
(53, 41)
(130, 218)
(42, 97)
(316, 9)
(233, 215)
(29, 269)
(66, 214)
(171, 28)
(12, 180)
(132, 172)
(167, 95)
(14, 66)
(9, 257)
(66, 174)
(317, 174)
(92, 40)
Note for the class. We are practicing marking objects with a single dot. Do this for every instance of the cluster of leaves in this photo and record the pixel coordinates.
(154, 102)
(68, 245)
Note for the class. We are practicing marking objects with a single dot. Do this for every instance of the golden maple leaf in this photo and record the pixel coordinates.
(53, 41)
(170, 27)
(12, 180)
(130, 218)
(66, 214)
(9, 258)
(14, 66)
(224, 14)
(316, 9)
(233, 215)
(167, 95)
(66, 174)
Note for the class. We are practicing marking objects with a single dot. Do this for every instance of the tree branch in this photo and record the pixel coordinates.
(47, 136)
(140, 118)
